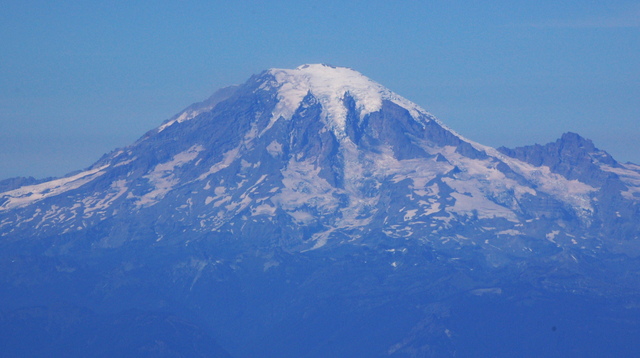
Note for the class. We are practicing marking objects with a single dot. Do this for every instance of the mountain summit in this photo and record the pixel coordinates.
(309, 181)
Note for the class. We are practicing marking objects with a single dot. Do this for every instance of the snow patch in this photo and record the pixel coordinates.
(274, 148)
(227, 158)
(470, 200)
(184, 116)
(263, 209)
(303, 187)
(162, 177)
(510, 232)
(552, 236)
(94, 203)
(410, 214)
(629, 174)
(26, 195)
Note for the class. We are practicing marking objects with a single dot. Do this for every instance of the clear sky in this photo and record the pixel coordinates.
(80, 78)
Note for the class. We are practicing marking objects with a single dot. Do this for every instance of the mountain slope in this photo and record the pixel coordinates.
(313, 199)
(310, 149)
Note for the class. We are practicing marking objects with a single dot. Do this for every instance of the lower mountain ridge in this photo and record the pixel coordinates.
(314, 213)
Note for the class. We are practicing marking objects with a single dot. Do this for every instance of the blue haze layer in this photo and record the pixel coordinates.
(79, 79)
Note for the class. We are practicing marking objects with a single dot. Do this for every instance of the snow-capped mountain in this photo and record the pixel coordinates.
(316, 163)
(332, 157)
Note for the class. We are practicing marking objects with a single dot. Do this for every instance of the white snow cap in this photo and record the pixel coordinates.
(329, 85)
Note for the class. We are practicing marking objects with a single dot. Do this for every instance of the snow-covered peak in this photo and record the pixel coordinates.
(329, 85)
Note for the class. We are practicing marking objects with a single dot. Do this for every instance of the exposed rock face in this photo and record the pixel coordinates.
(571, 156)
(576, 158)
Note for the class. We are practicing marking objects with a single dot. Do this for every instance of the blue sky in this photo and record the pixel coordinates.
(78, 79)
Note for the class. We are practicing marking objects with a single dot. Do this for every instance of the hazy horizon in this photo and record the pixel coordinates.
(80, 79)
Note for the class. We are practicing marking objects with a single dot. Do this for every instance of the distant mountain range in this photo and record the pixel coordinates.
(313, 213)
